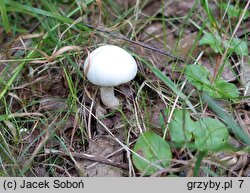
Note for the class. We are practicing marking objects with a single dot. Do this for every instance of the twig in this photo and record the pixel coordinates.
(135, 42)
(88, 157)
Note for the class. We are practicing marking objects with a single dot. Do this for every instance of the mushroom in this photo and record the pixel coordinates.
(109, 66)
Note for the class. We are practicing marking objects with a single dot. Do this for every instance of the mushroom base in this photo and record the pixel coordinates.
(108, 97)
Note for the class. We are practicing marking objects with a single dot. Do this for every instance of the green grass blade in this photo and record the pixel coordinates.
(38, 11)
(198, 162)
(227, 118)
(211, 18)
(169, 83)
(4, 15)
(16, 71)
(17, 7)
(12, 79)
(5, 151)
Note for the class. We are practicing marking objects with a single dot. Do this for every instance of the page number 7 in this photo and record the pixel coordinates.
(241, 182)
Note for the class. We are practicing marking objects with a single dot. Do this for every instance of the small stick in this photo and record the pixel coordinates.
(88, 157)
(135, 42)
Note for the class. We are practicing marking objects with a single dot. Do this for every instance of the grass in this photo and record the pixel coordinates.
(46, 102)
(4, 15)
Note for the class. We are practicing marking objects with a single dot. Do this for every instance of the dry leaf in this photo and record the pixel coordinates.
(52, 104)
(101, 147)
(179, 8)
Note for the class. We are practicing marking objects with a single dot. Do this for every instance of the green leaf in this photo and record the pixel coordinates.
(210, 134)
(225, 90)
(227, 118)
(218, 45)
(198, 76)
(181, 125)
(238, 46)
(213, 40)
(155, 153)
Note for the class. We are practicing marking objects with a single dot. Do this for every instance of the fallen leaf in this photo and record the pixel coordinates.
(52, 104)
(179, 8)
(101, 147)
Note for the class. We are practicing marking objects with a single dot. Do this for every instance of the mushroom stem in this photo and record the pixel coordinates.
(108, 97)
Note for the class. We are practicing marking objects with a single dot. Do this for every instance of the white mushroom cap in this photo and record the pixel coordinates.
(110, 65)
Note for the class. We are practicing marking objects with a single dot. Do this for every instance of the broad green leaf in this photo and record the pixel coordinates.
(155, 152)
(228, 119)
(225, 90)
(213, 40)
(198, 76)
(181, 126)
(210, 134)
